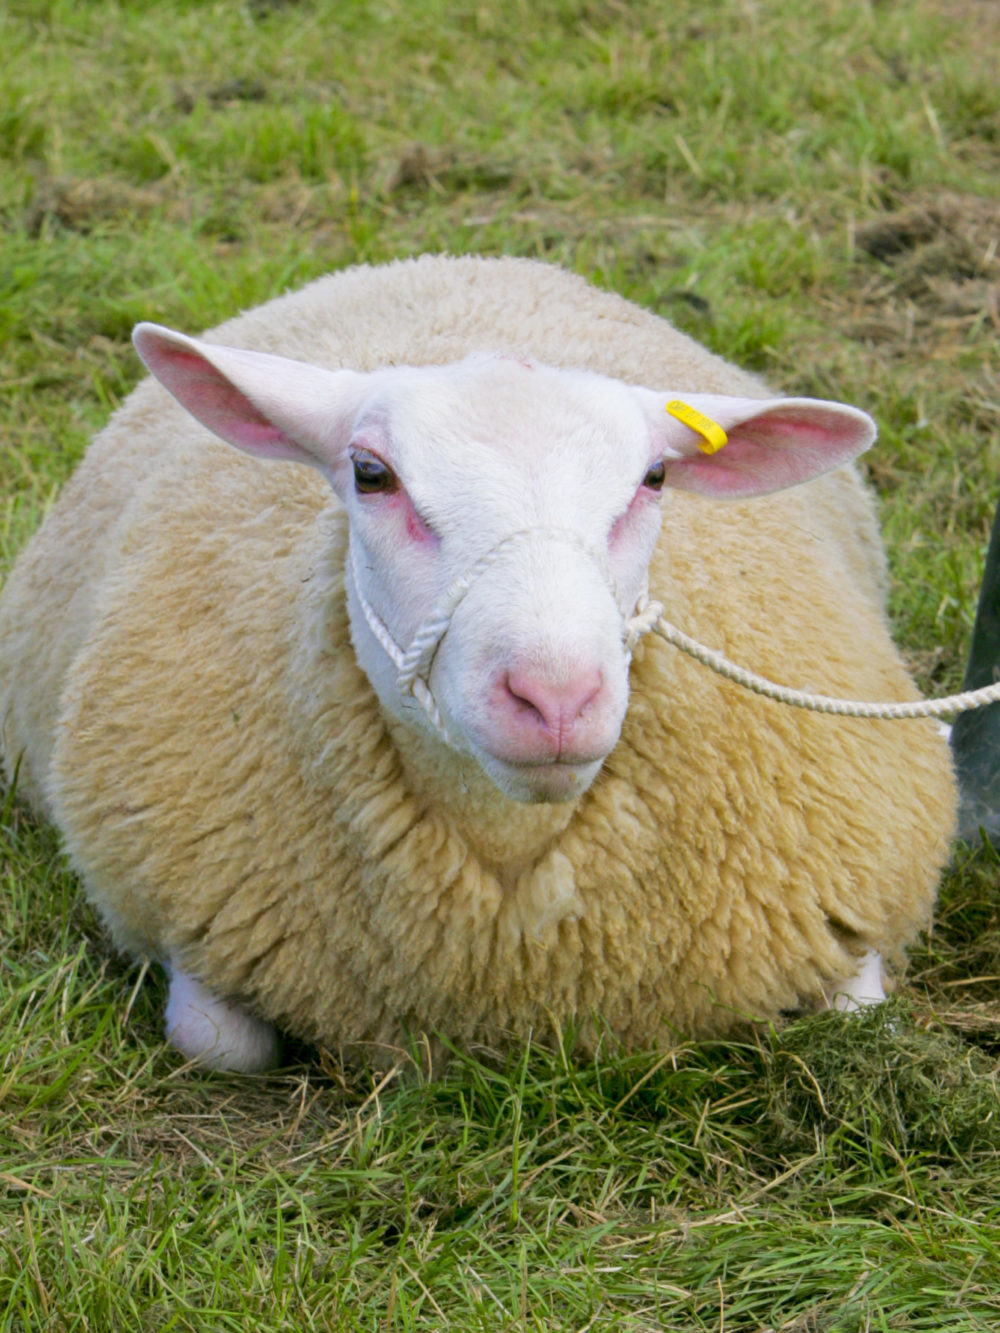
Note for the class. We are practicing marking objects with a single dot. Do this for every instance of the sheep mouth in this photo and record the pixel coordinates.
(554, 781)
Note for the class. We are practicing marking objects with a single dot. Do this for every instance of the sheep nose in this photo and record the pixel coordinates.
(557, 707)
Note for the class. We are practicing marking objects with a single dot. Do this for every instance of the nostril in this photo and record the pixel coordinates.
(521, 698)
(555, 706)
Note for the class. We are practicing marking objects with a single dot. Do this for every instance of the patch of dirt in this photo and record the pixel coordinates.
(85, 204)
(80, 204)
(444, 170)
(230, 93)
(939, 263)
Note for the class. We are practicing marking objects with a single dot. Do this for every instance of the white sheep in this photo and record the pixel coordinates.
(361, 749)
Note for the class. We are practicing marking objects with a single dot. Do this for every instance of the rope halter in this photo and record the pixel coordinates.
(413, 664)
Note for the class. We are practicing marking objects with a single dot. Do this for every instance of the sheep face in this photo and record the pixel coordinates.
(535, 492)
(542, 489)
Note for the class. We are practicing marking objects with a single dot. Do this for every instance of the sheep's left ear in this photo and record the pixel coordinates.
(771, 443)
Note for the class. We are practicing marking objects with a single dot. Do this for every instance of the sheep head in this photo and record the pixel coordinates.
(534, 491)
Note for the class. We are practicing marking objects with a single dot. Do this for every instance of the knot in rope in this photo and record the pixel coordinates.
(647, 616)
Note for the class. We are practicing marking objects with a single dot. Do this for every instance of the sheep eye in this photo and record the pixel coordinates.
(371, 475)
(655, 477)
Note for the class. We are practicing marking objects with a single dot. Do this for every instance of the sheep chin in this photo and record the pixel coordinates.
(552, 783)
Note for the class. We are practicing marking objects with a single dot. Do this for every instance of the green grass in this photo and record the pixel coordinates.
(809, 188)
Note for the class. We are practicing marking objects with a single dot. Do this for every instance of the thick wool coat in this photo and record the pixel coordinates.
(178, 687)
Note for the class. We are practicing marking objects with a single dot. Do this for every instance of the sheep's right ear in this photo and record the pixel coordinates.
(266, 405)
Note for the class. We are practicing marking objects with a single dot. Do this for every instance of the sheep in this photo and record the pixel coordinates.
(330, 808)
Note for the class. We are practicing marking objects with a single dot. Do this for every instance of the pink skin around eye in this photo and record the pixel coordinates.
(396, 501)
(416, 529)
(643, 496)
(399, 503)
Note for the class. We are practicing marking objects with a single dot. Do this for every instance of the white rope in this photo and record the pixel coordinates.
(417, 687)
(414, 664)
(822, 703)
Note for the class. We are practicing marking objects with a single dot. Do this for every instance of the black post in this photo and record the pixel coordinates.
(975, 737)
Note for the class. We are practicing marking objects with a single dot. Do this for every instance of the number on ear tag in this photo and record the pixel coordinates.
(713, 437)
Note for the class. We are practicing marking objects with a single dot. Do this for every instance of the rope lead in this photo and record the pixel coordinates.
(413, 665)
(822, 703)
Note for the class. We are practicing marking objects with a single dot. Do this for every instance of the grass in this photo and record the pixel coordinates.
(811, 190)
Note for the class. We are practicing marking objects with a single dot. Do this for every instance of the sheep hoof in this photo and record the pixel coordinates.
(213, 1033)
(864, 988)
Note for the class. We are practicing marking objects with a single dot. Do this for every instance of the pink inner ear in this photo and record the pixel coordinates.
(218, 404)
(771, 452)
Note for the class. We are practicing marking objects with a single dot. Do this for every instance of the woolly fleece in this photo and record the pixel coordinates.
(177, 677)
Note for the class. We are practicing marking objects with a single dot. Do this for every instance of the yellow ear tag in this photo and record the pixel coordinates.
(713, 437)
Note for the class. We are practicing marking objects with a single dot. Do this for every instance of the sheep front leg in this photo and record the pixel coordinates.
(865, 987)
(215, 1033)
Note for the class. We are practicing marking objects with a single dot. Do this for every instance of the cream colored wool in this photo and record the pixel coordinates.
(177, 677)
